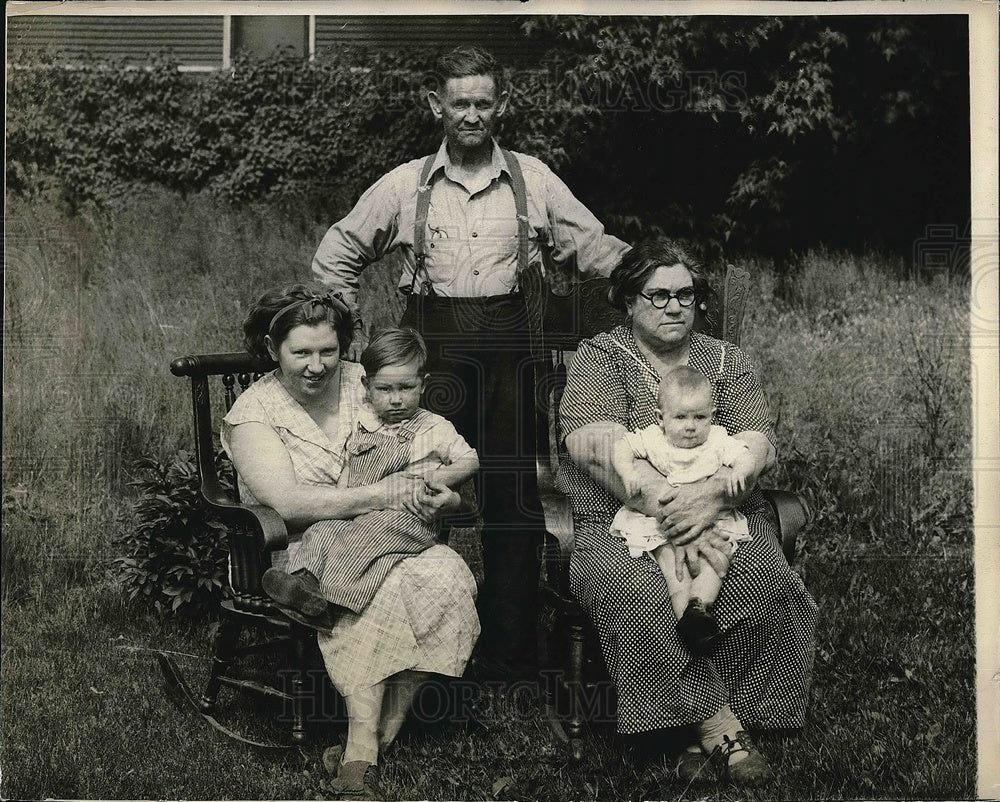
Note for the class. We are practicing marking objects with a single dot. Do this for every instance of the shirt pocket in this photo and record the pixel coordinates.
(498, 235)
(356, 447)
(442, 247)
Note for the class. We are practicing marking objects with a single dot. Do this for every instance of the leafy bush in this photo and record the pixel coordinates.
(176, 557)
(269, 129)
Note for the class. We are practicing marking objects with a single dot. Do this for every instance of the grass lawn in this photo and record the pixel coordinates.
(891, 716)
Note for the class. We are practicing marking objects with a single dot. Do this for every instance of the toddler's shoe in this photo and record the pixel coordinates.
(299, 591)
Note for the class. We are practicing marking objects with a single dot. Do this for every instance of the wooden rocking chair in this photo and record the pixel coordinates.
(254, 533)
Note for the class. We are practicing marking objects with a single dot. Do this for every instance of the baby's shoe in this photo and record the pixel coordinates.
(697, 628)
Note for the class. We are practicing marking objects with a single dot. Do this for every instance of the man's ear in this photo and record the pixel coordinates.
(659, 416)
(434, 101)
(269, 344)
(502, 103)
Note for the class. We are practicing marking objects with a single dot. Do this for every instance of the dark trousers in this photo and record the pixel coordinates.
(482, 380)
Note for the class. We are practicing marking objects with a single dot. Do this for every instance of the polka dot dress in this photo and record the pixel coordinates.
(767, 618)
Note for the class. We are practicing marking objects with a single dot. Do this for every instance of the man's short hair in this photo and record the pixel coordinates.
(468, 60)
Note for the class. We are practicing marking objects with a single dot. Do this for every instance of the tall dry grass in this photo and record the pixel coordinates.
(96, 307)
(869, 374)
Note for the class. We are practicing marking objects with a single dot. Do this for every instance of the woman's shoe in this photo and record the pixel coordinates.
(752, 771)
(356, 779)
(331, 759)
(300, 591)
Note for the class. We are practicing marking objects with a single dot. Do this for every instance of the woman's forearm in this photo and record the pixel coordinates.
(303, 505)
(264, 465)
(592, 447)
(763, 456)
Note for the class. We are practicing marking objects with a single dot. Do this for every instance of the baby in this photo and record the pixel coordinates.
(685, 447)
(344, 562)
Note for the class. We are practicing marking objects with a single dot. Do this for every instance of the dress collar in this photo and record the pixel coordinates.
(625, 339)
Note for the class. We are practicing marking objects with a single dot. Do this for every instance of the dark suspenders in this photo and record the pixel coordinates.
(420, 226)
(520, 207)
(423, 208)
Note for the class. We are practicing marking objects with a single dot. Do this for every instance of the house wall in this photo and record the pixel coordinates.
(207, 42)
(193, 41)
(499, 34)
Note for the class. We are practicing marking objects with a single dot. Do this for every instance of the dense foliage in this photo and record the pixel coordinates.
(771, 132)
(767, 133)
(176, 556)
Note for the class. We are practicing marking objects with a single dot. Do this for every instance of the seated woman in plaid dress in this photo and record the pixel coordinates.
(756, 673)
(287, 435)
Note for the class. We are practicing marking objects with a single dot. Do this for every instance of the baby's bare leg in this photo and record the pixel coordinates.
(679, 589)
(707, 584)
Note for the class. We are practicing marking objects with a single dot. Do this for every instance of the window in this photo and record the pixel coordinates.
(262, 36)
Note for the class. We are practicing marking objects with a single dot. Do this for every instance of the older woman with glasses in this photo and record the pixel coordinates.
(756, 675)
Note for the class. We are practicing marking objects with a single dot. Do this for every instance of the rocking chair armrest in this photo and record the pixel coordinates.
(270, 528)
(792, 513)
(556, 561)
(273, 526)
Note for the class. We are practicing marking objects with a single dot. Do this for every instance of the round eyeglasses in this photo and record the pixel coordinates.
(661, 298)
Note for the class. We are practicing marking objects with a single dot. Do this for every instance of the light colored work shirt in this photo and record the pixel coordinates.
(471, 237)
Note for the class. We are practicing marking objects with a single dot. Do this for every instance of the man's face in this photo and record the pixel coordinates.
(468, 108)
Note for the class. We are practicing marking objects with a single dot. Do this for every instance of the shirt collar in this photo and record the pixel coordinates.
(442, 161)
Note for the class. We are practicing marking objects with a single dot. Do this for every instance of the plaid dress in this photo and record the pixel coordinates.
(767, 618)
(423, 615)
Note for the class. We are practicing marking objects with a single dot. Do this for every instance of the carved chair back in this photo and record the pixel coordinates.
(253, 531)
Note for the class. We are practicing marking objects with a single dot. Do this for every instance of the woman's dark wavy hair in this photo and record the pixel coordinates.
(636, 266)
(257, 324)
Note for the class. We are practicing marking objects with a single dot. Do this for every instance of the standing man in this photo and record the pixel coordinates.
(455, 217)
